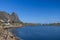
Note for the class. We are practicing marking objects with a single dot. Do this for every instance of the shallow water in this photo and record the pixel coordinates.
(38, 32)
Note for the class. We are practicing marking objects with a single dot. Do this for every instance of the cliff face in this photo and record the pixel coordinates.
(12, 17)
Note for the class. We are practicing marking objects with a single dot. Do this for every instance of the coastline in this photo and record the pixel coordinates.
(5, 34)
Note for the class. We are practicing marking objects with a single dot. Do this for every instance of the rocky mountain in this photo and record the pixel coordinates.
(14, 17)
(6, 16)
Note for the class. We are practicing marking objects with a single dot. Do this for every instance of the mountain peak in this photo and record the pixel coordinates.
(6, 16)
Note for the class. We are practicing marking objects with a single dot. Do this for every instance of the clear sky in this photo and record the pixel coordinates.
(33, 11)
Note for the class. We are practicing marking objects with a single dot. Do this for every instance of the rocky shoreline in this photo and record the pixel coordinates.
(5, 34)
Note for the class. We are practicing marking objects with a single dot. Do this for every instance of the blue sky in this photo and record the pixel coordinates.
(33, 11)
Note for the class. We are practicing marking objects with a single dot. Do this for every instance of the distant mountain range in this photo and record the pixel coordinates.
(11, 17)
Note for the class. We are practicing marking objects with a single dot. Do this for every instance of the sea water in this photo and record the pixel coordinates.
(38, 32)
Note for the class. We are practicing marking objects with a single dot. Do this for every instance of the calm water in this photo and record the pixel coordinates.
(38, 32)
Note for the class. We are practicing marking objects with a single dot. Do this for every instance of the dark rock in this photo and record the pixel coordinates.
(14, 17)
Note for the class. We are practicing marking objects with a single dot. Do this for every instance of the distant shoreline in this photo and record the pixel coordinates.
(38, 24)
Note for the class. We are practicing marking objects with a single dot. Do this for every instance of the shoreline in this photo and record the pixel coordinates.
(5, 34)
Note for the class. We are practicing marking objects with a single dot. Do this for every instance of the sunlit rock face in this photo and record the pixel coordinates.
(6, 35)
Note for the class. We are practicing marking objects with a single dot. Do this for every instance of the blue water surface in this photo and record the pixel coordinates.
(38, 32)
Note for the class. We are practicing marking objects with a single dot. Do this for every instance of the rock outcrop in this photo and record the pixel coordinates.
(6, 16)
(14, 17)
(5, 34)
